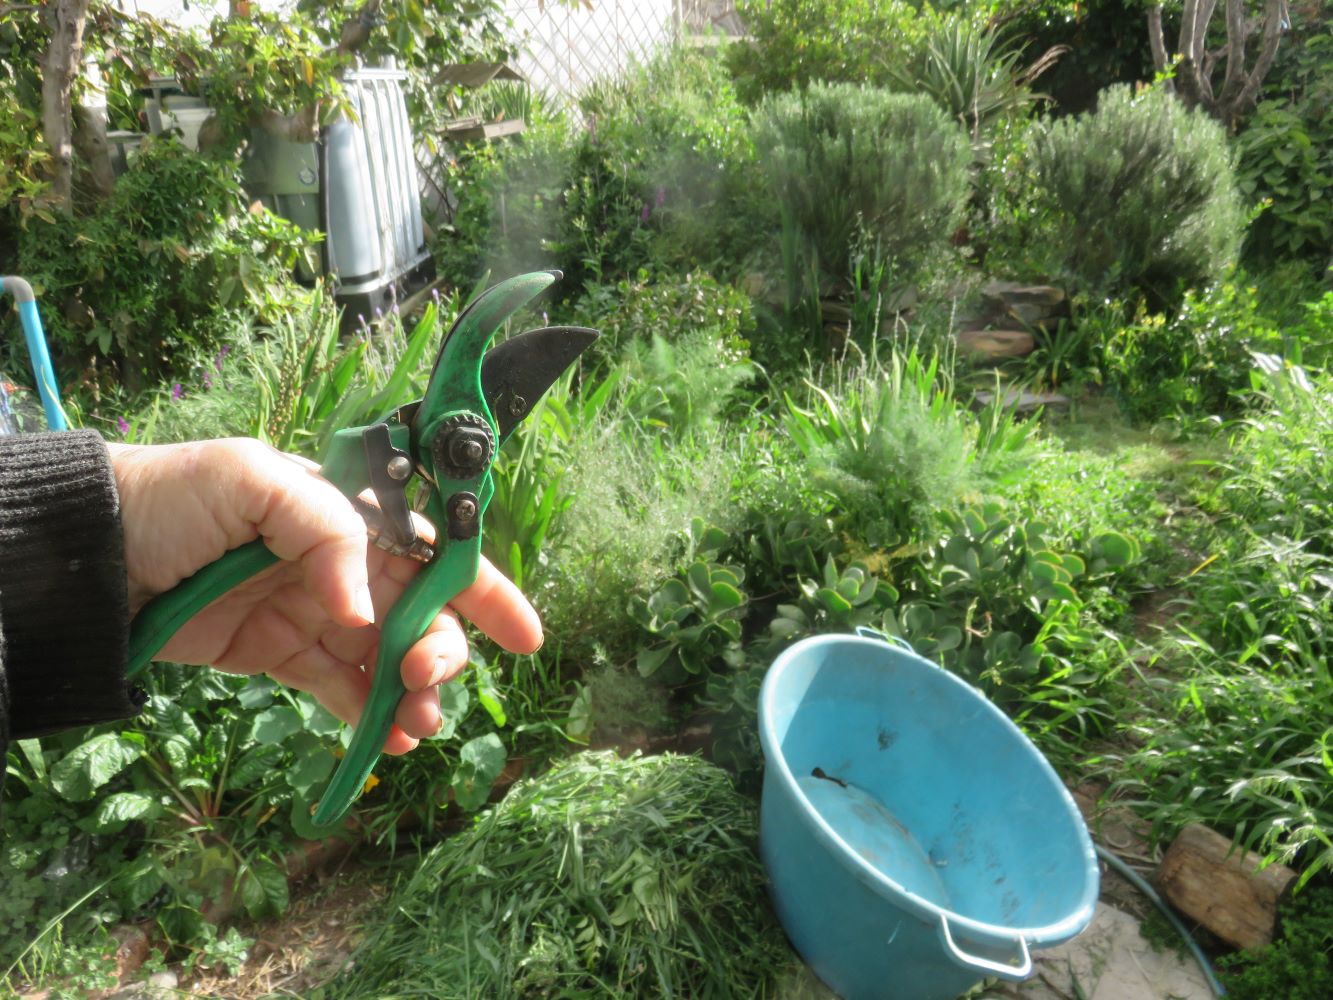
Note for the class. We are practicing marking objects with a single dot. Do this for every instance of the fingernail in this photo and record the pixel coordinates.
(365, 607)
(441, 669)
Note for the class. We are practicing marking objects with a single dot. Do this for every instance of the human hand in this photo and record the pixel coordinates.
(308, 621)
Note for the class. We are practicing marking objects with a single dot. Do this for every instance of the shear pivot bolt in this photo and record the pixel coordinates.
(464, 516)
(399, 468)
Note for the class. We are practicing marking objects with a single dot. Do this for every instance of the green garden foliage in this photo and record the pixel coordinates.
(1297, 966)
(1239, 736)
(889, 446)
(602, 877)
(798, 42)
(647, 306)
(1194, 362)
(1139, 196)
(854, 168)
(658, 173)
(972, 71)
(151, 275)
(1285, 154)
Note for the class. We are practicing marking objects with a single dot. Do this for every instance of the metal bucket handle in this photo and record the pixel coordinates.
(866, 632)
(1004, 970)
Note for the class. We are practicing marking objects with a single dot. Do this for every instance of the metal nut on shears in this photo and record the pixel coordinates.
(463, 447)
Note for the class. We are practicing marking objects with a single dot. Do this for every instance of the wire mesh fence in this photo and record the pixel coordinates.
(563, 47)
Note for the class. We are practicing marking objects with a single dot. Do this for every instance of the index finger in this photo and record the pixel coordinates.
(499, 609)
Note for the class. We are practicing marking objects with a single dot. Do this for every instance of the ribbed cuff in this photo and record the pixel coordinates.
(64, 612)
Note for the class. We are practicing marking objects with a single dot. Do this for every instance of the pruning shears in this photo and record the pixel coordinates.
(449, 438)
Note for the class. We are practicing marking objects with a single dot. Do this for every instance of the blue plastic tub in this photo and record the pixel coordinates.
(915, 840)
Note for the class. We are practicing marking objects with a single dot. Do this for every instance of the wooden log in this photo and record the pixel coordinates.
(1223, 888)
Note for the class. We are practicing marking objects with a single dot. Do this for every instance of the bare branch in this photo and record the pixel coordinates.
(1238, 30)
(1275, 16)
(1156, 39)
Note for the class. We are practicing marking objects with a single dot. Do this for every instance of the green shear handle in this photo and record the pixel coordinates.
(450, 438)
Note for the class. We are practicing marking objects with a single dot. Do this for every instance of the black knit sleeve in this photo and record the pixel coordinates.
(64, 613)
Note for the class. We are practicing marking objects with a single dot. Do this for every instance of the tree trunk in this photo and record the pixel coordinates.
(60, 69)
(90, 137)
(1194, 64)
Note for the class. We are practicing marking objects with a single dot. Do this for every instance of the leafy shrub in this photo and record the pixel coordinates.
(798, 42)
(1297, 966)
(986, 592)
(1196, 361)
(629, 502)
(146, 278)
(889, 447)
(1239, 737)
(972, 72)
(1139, 194)
(856, 167)
(654, 174)
(663, 305)
(1285, 153)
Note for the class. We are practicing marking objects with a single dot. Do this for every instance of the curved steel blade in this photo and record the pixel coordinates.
(517, 373)
(454, 380)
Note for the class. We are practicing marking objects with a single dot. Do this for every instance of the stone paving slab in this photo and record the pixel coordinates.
(1109, 961)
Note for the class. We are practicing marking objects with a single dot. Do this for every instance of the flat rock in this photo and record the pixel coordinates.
(993, 345)
(1022, 402)
(1013, 293)
(1109, 961)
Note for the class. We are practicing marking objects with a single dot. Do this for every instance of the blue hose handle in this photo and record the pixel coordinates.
(42, 371)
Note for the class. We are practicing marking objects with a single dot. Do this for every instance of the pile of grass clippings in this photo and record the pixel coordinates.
(602, 878)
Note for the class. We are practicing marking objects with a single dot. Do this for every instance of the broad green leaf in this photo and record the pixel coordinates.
(700, 581)
(257, 693)
(480, 762)
(1115, 549)
(649, 661)
(454, 703)
(264, 889)
(116, 810)
(91, 765)
(489, 699)
(32, 751)
(273, 725)
(833, 602)
(724, 597)
(310, 770)
(253, 765)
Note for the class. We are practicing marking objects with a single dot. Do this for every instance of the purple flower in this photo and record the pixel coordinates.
(647, 211)
(208, 380)
(122, 425)
(176, 392)
(661, 195)
(222, 354)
